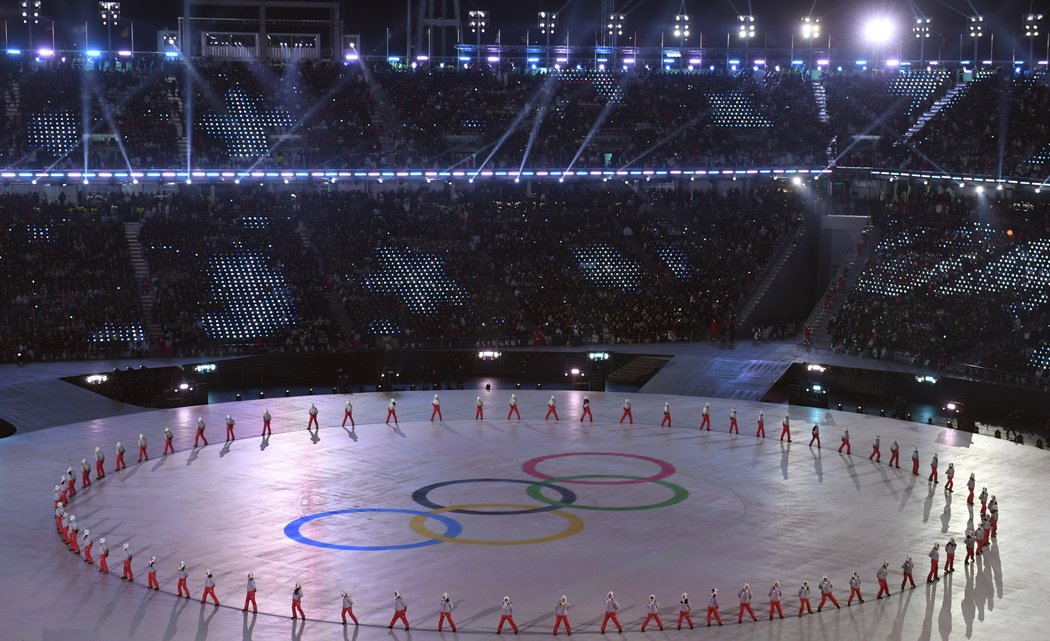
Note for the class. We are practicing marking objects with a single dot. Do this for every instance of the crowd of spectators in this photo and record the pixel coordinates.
(324, 114)
(181, 244)
(998, 124)
(565, 266)
(67, 288)
(955, 279)
(134, 109)
(647, 118)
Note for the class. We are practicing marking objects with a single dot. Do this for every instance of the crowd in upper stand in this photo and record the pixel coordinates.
(954, 279)
(997, 125)
(316, 114)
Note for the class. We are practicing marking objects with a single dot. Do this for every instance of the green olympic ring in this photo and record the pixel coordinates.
(535, 491)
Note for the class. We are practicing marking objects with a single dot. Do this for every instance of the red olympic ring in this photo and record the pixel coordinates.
(666, 469)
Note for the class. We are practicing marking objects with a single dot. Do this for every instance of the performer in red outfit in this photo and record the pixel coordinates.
(551, 409)
(587, 410)
(611, 607)
(400, 607)
(249, 595)
(627, 411)
(183, 576)
(297, 600)
(652, 610)
(169, 445)
(882, 574)
(506, 616)
(684, 610)
(775, 594)
(705, 417)
(561, 615)
(826, 594)
(200, 432)
(348, 608)
(127, 575)
(845, 442)
(445, 608)
(151, 574)
(745, 604)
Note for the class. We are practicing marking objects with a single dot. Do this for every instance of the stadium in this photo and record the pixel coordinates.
(614, 317)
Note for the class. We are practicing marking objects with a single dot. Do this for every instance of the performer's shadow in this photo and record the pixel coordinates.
(484, 614)
(248, 626)
(351, 637)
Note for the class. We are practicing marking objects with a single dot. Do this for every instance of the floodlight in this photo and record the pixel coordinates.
(878, 30)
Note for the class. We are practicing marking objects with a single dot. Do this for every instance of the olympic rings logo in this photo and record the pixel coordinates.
(566, 499)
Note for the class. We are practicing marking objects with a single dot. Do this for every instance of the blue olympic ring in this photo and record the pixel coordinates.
(292, 530)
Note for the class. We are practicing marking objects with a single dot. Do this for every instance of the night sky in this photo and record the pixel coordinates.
(842, 19)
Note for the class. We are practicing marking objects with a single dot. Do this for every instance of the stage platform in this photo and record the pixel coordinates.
(363, 510)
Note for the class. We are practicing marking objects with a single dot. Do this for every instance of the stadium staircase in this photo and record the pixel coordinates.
(142, 275)
(335, 303)
(821, 98)
(13, 106)
(855, 264)
(639, 370)
(947, 100)
(770, 276)
(176, 119)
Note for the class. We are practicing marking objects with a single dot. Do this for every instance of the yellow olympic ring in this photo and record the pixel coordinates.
(418, 525)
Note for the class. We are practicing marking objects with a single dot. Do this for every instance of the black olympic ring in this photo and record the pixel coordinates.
(568, 497)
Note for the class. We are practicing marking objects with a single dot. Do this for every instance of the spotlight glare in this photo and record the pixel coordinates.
(878, 30)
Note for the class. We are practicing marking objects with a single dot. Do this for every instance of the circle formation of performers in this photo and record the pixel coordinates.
(81, 542)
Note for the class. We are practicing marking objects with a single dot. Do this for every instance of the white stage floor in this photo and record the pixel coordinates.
(730, 509)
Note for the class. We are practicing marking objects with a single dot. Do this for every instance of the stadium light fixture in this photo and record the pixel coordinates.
(547, 21)
(109, 12)
(614, 27)
(681, 26)
(922, 28)
(810, 28)
(976, 26)
(30, 11)
(747, 27)
(878, 30)
(1033, 23)
(976, 33)
(477, 21)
